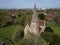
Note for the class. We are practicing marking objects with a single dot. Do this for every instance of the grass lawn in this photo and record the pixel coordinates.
(7, 31)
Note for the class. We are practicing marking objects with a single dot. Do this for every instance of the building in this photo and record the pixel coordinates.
(34, 27)
(42, 25)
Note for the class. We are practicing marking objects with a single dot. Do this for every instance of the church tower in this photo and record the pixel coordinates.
(34, 22)
(34, 25)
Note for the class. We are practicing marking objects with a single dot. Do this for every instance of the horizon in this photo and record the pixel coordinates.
(22, 4)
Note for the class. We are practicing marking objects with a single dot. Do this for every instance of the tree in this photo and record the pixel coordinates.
(49, 29)
(52, 38)
(57, 19)
(41, 16)
(18, 33)
(56, 39)
(32, 41)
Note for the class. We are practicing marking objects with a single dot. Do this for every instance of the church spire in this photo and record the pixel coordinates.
(35, 7)
(34, 16)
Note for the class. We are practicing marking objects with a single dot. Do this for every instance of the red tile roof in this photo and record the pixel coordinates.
(41, 22)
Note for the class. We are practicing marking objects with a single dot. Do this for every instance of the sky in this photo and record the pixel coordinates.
(29, 3)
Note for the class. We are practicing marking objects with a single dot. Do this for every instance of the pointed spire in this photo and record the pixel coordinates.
(34, 16)
(34, 11)
(35, 7)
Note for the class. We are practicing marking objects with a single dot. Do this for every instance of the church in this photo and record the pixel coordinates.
(35, 25)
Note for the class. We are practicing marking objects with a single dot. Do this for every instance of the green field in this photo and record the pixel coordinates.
(7, 31)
